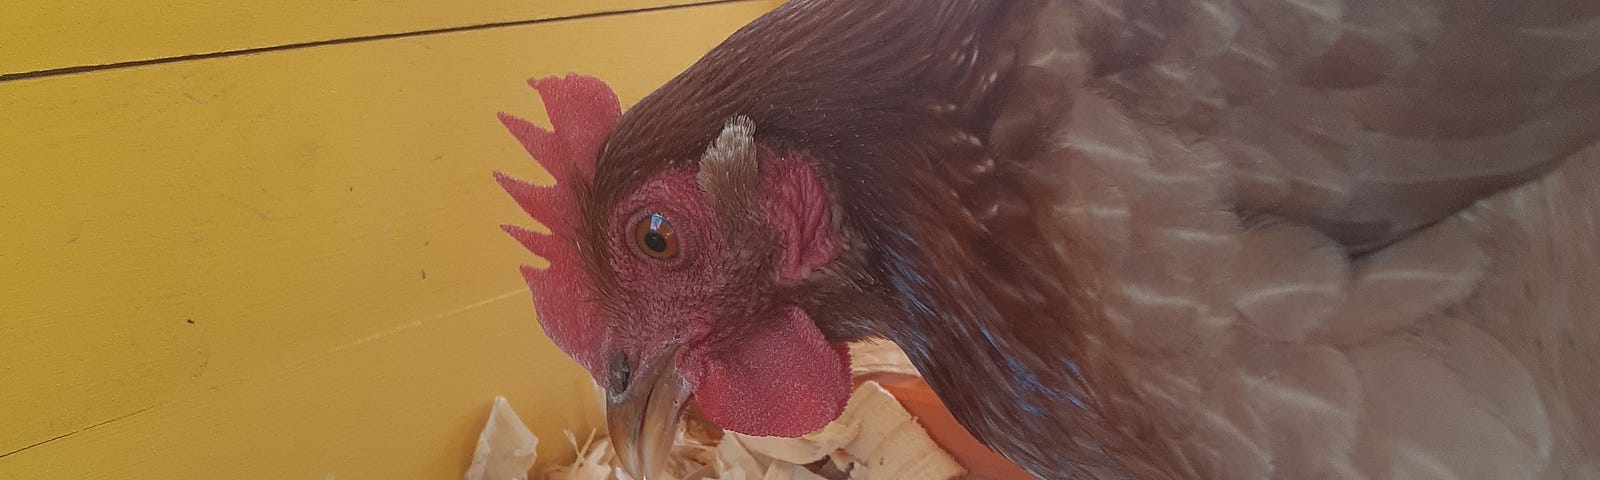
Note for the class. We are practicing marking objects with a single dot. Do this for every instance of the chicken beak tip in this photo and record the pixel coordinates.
(643, 419)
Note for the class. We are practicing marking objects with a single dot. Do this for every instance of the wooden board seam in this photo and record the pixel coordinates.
(59, 71)
(103, 423)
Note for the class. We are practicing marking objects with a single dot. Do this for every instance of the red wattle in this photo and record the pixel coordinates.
(786, 381)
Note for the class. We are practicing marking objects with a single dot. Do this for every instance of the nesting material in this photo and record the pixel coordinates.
(595, 461)
(876, 357)
(506, 449)
(875, 438)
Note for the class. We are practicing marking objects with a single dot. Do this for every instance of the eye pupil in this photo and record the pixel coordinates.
(654, 237)
(655, 242)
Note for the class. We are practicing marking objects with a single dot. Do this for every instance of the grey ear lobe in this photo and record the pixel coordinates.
(730, 171)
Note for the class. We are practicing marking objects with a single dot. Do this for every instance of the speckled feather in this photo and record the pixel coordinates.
(1216, 239)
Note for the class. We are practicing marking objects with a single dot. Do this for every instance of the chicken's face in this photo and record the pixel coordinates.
(685, 284)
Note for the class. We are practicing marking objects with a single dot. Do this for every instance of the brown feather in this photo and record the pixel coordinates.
(1175, 239)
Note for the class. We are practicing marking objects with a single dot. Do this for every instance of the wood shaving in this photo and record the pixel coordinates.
(880, 357)
(875, 438)
(506, 449)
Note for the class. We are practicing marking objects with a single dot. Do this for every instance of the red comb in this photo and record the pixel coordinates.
(582, 111)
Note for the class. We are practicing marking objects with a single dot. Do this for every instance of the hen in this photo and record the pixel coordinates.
(1120, 238)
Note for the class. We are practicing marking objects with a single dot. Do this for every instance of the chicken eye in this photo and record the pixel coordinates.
(654, 237)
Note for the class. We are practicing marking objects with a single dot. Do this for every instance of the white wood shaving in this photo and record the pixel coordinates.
(506, 449)
(880, 356)
(875, 438)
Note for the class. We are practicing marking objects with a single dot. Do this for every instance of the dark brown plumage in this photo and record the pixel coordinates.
(1173, 239)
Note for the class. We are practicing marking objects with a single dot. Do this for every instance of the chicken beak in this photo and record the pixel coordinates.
(643, 418)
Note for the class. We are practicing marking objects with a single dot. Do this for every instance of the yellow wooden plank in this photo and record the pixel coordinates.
(50, 34)
(404, 406)
(287, 264)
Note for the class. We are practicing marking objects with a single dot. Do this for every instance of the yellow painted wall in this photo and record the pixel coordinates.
(54, 34)
(285, 264)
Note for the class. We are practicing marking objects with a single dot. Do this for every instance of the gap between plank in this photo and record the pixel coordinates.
(81, 430)
(337, 41)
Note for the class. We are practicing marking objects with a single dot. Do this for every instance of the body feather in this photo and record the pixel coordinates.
(1220, 239)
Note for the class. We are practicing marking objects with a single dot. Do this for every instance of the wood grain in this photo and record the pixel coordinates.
(287, 265)
(52, 34)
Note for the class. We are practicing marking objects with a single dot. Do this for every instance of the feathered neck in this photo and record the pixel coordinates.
(895, 101)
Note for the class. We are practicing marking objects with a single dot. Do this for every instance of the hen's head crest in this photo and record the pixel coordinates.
(582, 112)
